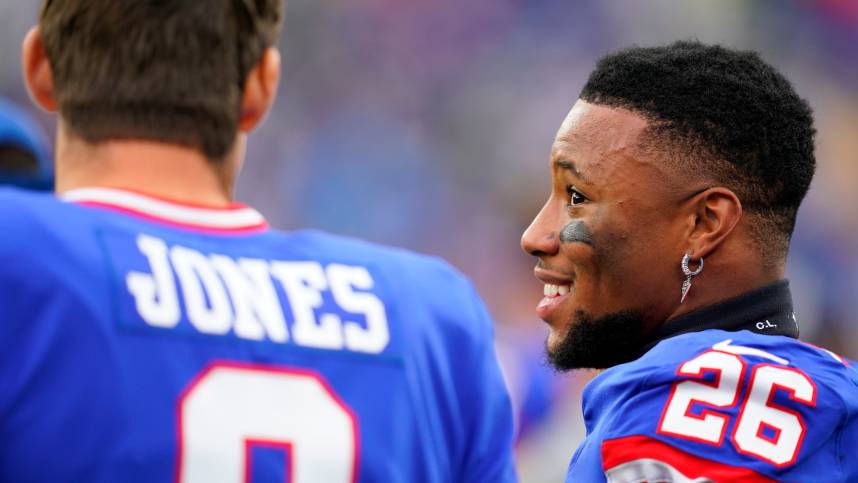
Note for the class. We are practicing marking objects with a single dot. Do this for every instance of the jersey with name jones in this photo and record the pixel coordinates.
(138, 350)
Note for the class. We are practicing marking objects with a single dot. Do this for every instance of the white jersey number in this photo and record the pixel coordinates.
(230, 409)
(763, 429)
(758, 413)
(709, 426)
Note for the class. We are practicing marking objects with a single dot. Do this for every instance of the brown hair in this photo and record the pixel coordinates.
(163, 70)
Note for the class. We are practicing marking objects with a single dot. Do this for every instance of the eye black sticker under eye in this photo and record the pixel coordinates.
(576, 232)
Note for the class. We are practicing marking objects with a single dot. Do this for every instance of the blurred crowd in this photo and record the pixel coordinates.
(427, 124)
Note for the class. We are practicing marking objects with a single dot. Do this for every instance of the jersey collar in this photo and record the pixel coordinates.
(766, 311)
(235, 218)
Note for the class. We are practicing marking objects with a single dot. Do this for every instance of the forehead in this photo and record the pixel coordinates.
(601, 140)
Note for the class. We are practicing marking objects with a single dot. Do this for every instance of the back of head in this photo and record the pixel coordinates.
(170, 71)
(722, 115)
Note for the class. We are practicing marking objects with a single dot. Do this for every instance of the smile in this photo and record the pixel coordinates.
(554, 297)
(557, 288)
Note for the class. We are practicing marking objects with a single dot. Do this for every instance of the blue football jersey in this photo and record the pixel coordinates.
(722, 406)
(145, 340)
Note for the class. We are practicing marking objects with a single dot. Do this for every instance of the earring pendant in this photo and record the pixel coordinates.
(689, 274)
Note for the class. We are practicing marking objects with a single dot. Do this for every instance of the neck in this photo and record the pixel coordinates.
(731, 271)
(165, 170)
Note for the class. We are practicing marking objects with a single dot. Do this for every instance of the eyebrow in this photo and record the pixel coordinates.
(570, 166)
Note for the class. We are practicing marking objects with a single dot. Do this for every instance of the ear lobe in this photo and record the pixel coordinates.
(260, 90)
(718, 211)
(38, 76)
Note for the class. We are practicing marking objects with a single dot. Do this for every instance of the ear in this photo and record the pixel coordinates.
(37, 71)
(716, 213)
(260, 90)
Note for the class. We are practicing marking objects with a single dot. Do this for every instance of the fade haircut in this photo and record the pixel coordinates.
(722, 115)
(170, 71)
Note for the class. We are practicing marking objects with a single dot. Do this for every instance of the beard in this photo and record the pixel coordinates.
(599, 343)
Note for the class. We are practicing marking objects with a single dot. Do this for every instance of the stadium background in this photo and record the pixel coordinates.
(427, 124)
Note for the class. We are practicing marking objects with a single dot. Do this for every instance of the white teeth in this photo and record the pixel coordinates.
(552, 290)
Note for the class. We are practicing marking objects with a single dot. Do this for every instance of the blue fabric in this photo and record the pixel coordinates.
(90, 391)
(629, 400)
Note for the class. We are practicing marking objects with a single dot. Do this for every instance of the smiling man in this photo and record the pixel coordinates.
(676, 179)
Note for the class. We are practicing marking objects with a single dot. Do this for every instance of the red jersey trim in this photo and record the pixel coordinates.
(631, 449)
(236, 218)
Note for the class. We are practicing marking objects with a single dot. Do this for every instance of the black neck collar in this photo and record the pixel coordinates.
(767, 310)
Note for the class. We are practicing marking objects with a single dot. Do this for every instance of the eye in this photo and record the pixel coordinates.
(575, 196)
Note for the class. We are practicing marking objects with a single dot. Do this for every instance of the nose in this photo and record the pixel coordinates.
(540, 238)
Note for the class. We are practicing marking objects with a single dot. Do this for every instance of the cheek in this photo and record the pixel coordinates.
(612, 244)
(627, 262)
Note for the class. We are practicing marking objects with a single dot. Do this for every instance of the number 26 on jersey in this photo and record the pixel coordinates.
(762, 429)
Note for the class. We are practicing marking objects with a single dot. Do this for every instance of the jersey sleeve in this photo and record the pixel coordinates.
(487, 410)
(721, 416)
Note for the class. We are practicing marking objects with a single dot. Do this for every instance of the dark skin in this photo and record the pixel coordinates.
(618, 221)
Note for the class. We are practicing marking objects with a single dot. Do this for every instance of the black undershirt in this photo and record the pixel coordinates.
(767, 310)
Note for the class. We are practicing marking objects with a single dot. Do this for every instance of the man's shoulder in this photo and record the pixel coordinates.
(753, 350)
(770, 404)
(38, 229)
(15, 202)
(23, 216)
(426, 284)
(415, 272)
(706, 353)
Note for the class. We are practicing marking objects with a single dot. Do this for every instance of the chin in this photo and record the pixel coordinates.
(556, 338)
(596, 343)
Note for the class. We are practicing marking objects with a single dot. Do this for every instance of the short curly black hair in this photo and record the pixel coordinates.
(730, 116)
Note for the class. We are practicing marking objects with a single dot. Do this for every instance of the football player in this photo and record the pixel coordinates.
(676, 178)
(152, 329)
